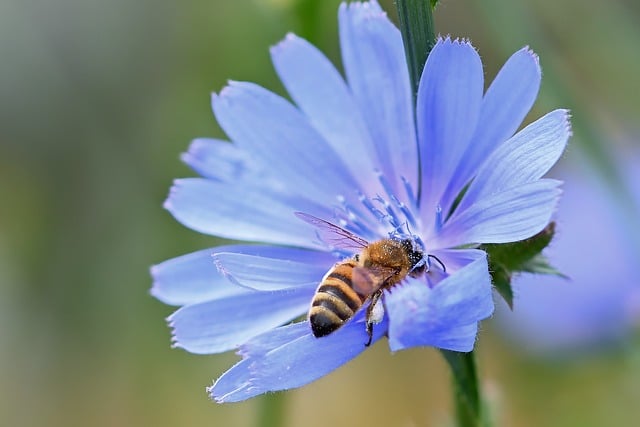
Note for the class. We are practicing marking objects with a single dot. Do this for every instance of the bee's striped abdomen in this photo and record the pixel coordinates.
(335, 301)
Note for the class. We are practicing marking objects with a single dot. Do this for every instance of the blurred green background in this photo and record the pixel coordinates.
(100, 98)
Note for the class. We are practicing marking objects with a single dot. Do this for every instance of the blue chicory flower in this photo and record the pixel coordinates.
(598, 303)
(350, 151)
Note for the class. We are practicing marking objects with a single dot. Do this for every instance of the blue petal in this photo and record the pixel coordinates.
(221, 160)
(241, 212)
(281, 137)
(274, 268)
(290, 357)
(262, 344)
(504, 106)
(321, 93)
(224, 324)
(376, 69)
(459, 338)
(234, 385)
(445, 315)
(509, 216)
(190, 279)
(236, 382)
(447, 111)
(524, 158)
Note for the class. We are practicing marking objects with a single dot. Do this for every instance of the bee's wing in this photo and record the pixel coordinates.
(367, 280)
(332, 234)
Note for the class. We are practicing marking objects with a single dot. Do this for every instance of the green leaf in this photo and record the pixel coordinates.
(502, 281)
(539, 264)
(523, 256)
(514, 255)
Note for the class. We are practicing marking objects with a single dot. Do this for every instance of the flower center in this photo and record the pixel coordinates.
(382, 212)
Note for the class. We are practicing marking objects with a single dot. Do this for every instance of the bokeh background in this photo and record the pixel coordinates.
(98, 99)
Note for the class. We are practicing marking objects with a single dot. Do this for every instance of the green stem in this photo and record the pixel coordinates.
(468, 405)
(272, 410)
(418, 34)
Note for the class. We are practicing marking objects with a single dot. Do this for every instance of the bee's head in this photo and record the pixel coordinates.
(416, 256)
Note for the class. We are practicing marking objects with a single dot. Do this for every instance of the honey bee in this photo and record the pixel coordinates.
(349, 284)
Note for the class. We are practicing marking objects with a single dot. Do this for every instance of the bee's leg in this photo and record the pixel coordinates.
(373, 315)
(370, 333)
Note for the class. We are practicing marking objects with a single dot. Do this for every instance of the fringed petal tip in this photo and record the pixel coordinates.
(196, 147)
(172, 330)
(192, 156)
(170, 294)
(532, 54)
(219, 160)
(210, 392)
(366, 9)
(563, 117)
(174, 339)
(243, 392)
(567, 121)
(168, 202)
(289, 39)
(458, 41)
(192, 278)
(235, 385)
(185, 203)
(224, 93)
(155, 282)
(228, 91)
(226, 97)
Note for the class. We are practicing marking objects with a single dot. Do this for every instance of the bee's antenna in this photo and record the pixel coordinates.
(444, 268)
(398, 230)
(406, 223)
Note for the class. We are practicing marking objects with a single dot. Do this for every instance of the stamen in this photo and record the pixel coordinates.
(411, 196)
(384, 183)
(391, 216)
(405, 211)
(375, 211)
(353, 219)
(350, 213)
(438, 218)
(394, 198)
(394, 212)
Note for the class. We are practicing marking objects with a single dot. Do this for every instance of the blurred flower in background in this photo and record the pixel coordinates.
(598, 304)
